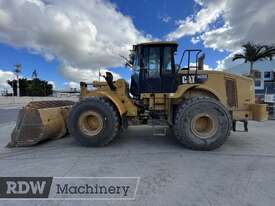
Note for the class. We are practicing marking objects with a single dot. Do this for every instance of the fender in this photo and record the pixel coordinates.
(112, 97)
(208, 89)
(182, 89)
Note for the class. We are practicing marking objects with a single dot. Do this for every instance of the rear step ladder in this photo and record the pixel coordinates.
(159, 128)
(245, 125)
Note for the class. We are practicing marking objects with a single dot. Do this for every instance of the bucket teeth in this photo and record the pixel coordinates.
(39, 121)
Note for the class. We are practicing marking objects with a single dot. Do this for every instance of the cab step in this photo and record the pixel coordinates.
(159, 127)
(159, 131)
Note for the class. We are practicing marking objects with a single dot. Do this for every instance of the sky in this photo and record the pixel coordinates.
(68, 41)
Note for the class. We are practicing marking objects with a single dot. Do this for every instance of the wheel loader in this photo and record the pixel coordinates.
(200, 107)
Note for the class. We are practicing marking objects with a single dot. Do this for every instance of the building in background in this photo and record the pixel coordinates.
(264, 81)
(264, 73)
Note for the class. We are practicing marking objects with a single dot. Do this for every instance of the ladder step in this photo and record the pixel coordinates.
(159, 131)
(159, 127)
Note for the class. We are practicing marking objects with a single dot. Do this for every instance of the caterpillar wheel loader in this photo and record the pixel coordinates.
(200, 107)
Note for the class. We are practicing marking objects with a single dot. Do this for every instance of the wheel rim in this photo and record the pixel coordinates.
(90, 123)
(204, 126)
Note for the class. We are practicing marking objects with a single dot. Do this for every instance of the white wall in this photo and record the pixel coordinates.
(10, 101)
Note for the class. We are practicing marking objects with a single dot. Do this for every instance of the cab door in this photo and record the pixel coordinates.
(169, 78)
(150, 79)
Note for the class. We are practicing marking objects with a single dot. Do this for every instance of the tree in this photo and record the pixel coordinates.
(34, 87)
(255, 52)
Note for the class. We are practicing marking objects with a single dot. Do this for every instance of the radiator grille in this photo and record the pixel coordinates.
(231, 92)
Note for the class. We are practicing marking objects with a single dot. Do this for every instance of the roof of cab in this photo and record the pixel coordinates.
(158, 43)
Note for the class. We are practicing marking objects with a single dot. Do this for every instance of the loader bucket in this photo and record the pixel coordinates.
(39, 121)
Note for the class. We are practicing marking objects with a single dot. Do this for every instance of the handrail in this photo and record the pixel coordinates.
(198, 51)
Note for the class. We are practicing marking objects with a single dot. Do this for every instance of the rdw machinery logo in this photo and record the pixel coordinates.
(25, 187)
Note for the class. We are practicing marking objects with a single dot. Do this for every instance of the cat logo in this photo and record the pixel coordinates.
(191, 79)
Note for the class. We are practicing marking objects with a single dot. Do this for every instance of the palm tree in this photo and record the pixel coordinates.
(255, 52)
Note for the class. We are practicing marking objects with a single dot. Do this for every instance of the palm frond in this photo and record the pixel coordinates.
(238, 56)
(268, 53)
(250, 49)
(248, 45)
(254, 52)
(260, 49)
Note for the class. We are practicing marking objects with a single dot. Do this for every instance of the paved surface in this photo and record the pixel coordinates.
(8, 115)
(242, 172)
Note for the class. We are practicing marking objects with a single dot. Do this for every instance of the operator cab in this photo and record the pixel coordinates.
(153, 68)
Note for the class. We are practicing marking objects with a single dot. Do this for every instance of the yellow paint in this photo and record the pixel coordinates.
(119, 97)
(214, 87)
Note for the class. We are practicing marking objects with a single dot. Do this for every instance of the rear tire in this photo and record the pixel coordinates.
(93, 122)
(202, 123)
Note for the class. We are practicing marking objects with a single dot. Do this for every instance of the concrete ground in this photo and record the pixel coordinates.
(242, 172)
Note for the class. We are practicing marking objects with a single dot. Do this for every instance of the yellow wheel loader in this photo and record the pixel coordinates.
(200, 107)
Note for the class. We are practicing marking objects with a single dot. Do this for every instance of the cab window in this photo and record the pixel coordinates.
(135, 60)
(167, 59)
(151, 61)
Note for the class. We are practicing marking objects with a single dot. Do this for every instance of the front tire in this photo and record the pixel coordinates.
(93, 122)
(202, 123)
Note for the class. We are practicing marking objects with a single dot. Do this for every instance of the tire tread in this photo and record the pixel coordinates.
(184, 140)
(114, 115)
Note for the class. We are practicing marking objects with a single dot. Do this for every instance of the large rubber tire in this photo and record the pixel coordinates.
(109, 122)
(219, 124)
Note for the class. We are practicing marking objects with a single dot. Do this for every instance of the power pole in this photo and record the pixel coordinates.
(17, 71)
(99, 74)
(34, 74)
(12, 88)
